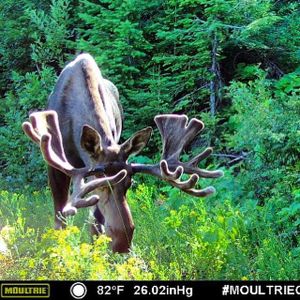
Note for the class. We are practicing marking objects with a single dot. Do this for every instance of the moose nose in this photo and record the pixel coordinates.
(121, 240)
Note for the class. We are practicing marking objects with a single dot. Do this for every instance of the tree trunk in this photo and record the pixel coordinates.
(214, 71)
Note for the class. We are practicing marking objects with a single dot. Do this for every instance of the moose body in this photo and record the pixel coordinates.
(90, 120)
(79, 138)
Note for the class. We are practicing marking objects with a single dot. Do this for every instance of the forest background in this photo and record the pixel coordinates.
(234, 64)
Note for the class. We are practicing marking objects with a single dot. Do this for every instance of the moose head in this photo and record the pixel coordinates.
(104, 175)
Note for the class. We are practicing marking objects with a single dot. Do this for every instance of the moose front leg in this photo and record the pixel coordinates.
(59, 185)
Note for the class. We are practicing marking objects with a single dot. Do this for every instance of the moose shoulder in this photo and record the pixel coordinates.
(79, 136)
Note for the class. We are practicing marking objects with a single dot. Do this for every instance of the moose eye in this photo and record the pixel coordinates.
(129, 182)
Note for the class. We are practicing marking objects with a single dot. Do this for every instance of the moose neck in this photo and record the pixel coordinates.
(99, 100)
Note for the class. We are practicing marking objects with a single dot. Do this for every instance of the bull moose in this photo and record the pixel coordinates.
(78, 136)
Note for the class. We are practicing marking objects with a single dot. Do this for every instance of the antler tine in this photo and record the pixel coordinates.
(52, 158)
(44, 130)
(195, 161)
(29, 131)
(81, 189)
(105, 181)
(201, 193)
(187, 186)
(174, 177)
(176, 133)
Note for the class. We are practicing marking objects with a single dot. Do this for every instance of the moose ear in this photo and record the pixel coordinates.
(137, 142)
(90, 141)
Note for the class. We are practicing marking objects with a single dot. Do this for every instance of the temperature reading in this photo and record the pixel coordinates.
(110, 290)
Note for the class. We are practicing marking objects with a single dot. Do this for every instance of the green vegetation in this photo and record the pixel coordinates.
(176, 238)
(233, 64)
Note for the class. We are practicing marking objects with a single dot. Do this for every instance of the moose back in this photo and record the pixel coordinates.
(79, 136)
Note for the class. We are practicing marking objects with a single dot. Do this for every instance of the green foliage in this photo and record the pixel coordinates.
(16, 150)
(266, 125)
(176, 238)
(15, 34)
(51, 33)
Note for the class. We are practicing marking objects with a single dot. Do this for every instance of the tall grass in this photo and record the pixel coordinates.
(176, 237)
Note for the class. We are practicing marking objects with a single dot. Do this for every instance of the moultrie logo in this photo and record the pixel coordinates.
(25, 290)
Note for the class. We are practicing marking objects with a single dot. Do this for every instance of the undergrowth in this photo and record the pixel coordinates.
(176, 237)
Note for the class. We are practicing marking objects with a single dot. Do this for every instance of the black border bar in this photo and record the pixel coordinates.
(155, 289)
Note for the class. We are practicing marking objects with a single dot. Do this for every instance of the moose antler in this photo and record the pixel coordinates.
(44, 130)
(176, 134)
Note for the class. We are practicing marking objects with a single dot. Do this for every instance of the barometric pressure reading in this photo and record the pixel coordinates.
(163, 290)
